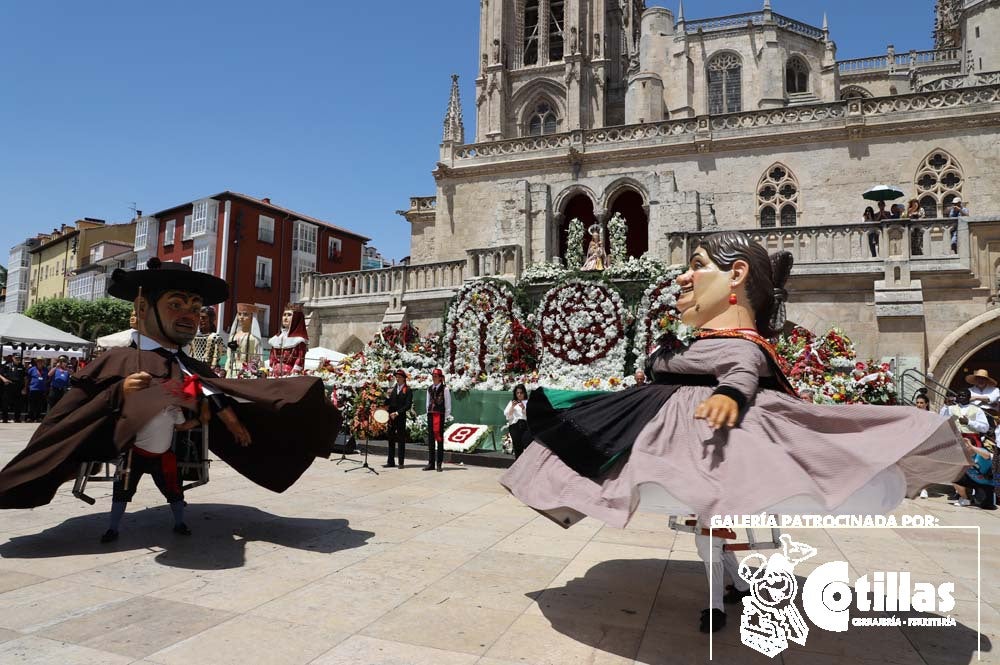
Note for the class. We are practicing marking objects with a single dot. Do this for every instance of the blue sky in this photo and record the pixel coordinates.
(332, 108)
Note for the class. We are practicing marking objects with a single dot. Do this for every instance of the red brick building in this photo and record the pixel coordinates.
(260, 248)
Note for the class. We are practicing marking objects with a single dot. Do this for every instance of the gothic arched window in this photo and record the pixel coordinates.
(939, 179)
(725, 93)
(556, 12)
(778, 197)
(796, 75)
(542, 120)
(531, 18)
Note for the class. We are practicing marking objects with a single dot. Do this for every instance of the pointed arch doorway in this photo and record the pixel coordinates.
(629, 204)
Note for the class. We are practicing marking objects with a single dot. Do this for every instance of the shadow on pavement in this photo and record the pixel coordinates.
(683, 594)
(221, 532)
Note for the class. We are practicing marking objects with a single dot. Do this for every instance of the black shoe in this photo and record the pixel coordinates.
(734, 595)
(718, 621)
(182, 529)
(954, 496)
(390, 465)
(439, 468)
(429, 467)
(400, 465)
(109, 536)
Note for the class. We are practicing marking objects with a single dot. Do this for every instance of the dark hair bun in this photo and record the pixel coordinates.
(153, 263)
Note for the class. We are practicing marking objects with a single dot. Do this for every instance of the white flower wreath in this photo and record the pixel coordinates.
(658, 316)
(581, 327)
(478, 328)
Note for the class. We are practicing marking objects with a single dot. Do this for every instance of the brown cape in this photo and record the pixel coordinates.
(290, 421)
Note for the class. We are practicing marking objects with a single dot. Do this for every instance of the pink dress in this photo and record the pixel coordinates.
(784, 455)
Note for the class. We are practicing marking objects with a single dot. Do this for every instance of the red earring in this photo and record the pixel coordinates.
(732, 298)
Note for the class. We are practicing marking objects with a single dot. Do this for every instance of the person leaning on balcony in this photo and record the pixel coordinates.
(957, 209)
(869, 216)
(913, 211)
(895, 211)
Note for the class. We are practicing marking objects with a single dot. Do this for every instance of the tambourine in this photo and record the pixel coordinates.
(381, 416)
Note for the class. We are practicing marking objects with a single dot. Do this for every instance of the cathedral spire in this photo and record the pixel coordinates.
(454, 130)
(680, 11)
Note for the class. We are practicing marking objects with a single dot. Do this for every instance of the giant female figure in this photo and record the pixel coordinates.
(720, 431)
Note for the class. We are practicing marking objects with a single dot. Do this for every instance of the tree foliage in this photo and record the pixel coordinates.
(83, 318)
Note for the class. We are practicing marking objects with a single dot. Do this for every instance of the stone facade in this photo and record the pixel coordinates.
(687, 126)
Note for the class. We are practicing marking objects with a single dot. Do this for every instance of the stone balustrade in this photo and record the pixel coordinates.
(893, 60)
(962, 81)
(734, 21)
(926, 245)
(381, 284)
(501, 261)
(690, 133)
(847, 248)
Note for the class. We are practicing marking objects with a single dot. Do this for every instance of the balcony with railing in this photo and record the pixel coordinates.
(379, 285)
(892, 61)
(929, 245)
(760, 18)
(697, 134)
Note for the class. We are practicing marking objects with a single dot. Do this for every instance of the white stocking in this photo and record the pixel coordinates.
(710, 551)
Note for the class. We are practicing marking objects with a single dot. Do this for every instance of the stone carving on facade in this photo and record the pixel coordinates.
(597, 45)
(571, 74)
(496, 51)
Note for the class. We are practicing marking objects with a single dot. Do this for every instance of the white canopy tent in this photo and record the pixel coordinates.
(17, 330)
(314, 355)
(115, 340)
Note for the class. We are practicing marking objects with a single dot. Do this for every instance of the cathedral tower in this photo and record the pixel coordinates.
(551, 66)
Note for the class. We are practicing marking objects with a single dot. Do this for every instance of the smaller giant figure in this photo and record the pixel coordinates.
(208, 345)
(244, 342)
(288, 348)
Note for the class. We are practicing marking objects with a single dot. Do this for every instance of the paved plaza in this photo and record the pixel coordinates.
(415, 568)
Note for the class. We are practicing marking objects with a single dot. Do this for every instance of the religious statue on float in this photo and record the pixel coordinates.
(244, 342)
(288, 348)
(208, 345)
(597, 258)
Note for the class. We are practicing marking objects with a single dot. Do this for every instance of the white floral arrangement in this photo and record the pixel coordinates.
(478, 329)
(618, 236)
(658, 315)
(465, 437)
(574, 245)
(645, 267)
(582, 326)
(543, 273)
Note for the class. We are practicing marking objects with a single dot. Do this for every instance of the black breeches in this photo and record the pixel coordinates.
(163, 469)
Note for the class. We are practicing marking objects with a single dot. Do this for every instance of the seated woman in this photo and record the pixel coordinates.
(721, 431)
(976, 487)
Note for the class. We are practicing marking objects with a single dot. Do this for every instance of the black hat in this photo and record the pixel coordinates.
(166, 276)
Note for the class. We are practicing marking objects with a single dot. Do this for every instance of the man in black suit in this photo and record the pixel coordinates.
(399, 403)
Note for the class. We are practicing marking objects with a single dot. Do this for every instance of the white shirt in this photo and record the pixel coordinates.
(991, 393)
(515, 411)
(447, 401)
(157, 435)
(977, 419)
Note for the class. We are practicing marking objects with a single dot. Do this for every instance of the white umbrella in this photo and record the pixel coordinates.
(315, 354)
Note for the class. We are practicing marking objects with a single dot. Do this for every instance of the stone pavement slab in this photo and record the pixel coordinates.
(413, 568)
